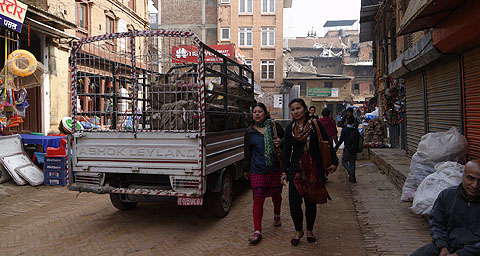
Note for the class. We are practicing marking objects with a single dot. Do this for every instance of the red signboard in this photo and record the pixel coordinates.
(189, 53)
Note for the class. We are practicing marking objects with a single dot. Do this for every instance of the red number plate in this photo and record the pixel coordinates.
(189, 201)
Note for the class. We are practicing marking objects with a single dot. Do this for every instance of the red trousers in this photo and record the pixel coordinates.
(258, 209)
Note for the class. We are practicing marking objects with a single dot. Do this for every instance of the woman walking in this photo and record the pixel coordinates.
(262, 139)
(329, 125)
(302, 167)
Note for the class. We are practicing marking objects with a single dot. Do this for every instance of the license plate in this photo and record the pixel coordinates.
(190, 201)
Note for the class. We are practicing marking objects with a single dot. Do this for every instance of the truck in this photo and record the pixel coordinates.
(157, 114)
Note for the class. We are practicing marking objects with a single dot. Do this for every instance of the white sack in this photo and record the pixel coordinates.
(434, 147)
(447, 174)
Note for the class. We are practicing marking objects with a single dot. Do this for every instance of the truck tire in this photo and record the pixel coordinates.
(219, 203)
(120, 204)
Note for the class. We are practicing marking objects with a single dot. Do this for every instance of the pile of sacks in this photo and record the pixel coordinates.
(434, 167)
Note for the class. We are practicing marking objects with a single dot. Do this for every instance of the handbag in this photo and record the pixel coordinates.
(323, 147)
(278, 150)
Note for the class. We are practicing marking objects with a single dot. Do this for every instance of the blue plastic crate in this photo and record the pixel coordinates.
(55, 174)
(55, 160)
(55, 181)
(54, 167)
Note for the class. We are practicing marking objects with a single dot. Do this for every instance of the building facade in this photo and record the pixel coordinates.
(198, 16)
(429, 51)
(256, 27)
(54, 26)
(333, 71)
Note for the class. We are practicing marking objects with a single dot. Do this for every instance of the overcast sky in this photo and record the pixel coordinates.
(306, 14)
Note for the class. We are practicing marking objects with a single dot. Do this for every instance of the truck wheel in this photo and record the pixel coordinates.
(219, 203)
(120, 204)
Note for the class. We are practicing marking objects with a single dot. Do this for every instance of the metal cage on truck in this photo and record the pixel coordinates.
(155, 113)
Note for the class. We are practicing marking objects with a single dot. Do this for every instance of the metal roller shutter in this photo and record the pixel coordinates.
(443, 96)
(471, 72)
(415, 112)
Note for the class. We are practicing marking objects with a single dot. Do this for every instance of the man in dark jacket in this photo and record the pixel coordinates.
(455, 218)
(349, 112)
(349, 151)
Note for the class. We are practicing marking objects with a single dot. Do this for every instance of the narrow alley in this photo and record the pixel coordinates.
(366, 218)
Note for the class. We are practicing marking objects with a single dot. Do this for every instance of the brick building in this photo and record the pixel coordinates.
(337, 69)
(256, 27)
(426, 59)
(198, 16)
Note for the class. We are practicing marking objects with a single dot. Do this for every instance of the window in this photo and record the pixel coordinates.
(268, 6)
(246, 6)
(245, 37)
(249, 64)
(110, 28)
(328, 84)
(225, 34)
(225, 1)
(268, 36)
(82, 15)
(268, 70)
(131, 4)
(303, 88)
(356, 89)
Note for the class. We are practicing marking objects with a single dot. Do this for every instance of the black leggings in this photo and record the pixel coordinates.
(295, 201)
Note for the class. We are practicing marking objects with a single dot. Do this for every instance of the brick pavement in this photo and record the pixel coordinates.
(388, 225)
(55, 221)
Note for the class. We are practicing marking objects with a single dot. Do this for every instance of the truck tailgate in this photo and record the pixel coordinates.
(125, 152)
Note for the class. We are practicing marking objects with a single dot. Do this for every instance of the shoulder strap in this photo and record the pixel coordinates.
(274, 130)
(319, 134)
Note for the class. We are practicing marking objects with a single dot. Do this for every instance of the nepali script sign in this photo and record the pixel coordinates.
(319, 92)
(12, 14)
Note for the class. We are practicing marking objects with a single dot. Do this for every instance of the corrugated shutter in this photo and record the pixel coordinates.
(471, 71)
(415, 112)
(443, 96)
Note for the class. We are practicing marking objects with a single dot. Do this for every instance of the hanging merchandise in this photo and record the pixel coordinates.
(394, 101)
(21, 71)
(22, 63)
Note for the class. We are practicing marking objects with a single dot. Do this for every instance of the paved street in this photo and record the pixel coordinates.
(363, 219)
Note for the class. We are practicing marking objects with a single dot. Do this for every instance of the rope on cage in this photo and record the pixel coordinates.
(28, 35)
(5, 82)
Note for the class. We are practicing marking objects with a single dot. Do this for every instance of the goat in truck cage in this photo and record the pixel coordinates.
(158, 114)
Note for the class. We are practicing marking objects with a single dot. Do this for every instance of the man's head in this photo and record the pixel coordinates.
(471, 179)
(312, 110)
(349, 111)
(350, 119)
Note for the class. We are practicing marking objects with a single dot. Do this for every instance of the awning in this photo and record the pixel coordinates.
(415, 57)
(423, 14)
(368, 12)
(48, 30)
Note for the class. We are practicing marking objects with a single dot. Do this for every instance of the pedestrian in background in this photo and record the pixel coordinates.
(329, 125)
(349, 136)
(262, 166)
(302, 161)
(349, 112)
(312, 111)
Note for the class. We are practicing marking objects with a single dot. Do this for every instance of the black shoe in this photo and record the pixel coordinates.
(352, 179)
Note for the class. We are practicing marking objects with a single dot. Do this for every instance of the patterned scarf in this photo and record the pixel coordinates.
(302, 133)
(268, 141)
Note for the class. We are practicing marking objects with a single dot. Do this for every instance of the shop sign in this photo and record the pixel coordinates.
(12, 14)
(189, 53)
(322, 92)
